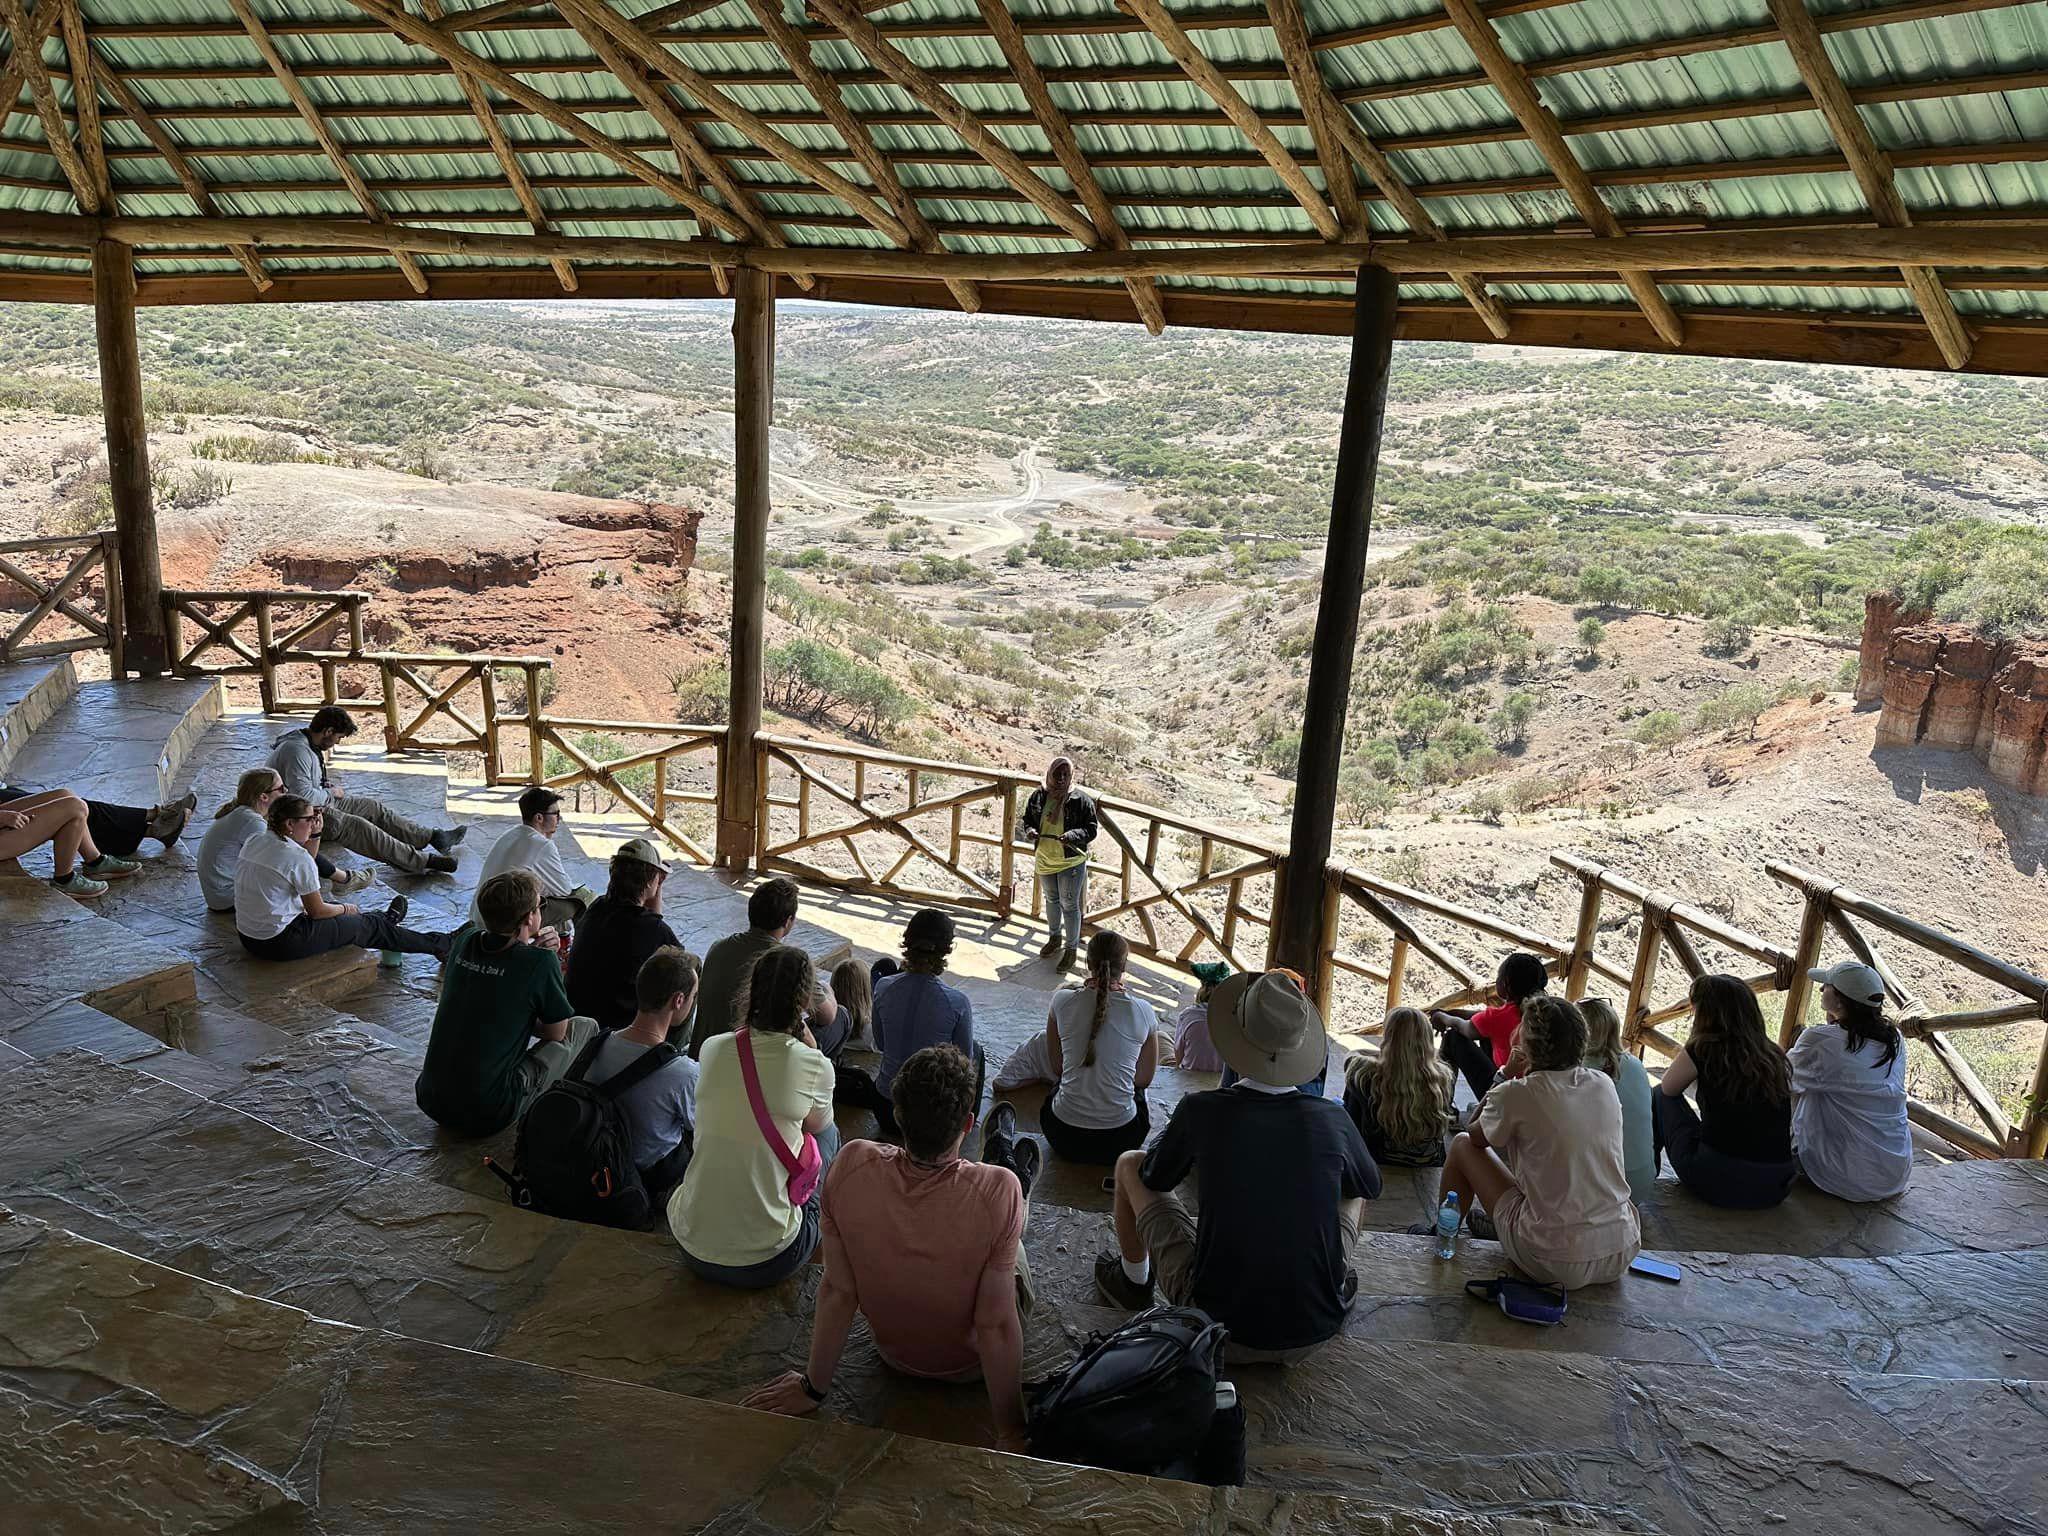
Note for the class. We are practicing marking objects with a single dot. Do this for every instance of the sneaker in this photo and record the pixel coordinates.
(1001, 1125)
(1066, 961)
(448, 839)
(398, 908)
(1026, 1159)
(1479, 1224)
(440, 864)
(1118, 1288)
(79, 884)
(108, 867)
(1050, 948)
(168, 824)
(347, 882)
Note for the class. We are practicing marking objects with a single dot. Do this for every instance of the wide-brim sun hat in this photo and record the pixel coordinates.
(1266, 1030)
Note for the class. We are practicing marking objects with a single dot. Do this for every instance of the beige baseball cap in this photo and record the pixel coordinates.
(642, 849)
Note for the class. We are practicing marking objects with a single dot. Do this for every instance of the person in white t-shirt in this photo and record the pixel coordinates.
(661, 1108)
(1849, 1126)
(531, 846)
(220, 850)
(1102, 1046)
(1545, 1158)
(280, 913)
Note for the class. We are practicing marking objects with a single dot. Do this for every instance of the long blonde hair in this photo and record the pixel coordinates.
(855, 991)
(249, 787)
(1411, 1088)
(1603, 1034)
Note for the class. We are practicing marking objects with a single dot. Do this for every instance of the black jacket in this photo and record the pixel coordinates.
(1080, 816)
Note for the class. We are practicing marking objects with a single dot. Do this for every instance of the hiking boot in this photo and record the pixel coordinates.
(108, 867)
(1066, 960)
(79, 884)
(1025, 1161)
(347, 882)
(1049, 948)
(440, 864)
(168, 824)
(448, 839)
(398, 908)
(1118, 1288)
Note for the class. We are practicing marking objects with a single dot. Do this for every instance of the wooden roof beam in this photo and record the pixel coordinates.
(296, 91)
(117, 91)
(796, 48)
(1512, 81)
(85, 101)
(1174, 38)
(1052, 122)
(506, 156)
(56, 131)
(1872, 169)
(422, 34)
(748, 123)
(1340, 140)
(922, 86)
(27, 45)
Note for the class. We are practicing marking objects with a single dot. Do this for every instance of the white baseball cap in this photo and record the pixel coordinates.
(1854, 980)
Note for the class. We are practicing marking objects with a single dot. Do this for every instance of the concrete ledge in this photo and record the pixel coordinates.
(30, 692)
(60, 952)
(121, 741)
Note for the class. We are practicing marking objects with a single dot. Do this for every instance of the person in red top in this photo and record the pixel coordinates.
(927, 1246)
(1477, 1044)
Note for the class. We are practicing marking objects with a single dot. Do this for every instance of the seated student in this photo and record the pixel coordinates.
(499, 991)
(732, 1215)
(356, 823)
(1192, 1049)
(1101, 1045)
(280, 913)
(928, 1247)
(771, 914)
(622, 928)
(662, 1107)
(1400, 1100)
(220, 850)
(1314, 1086)
(1632, 1087)
(1544, 1159)
(1476, 1043)
(1736, 1149)
(58, 817)
(1849, 1127)
(914, 1009)
(1283, 1178)
(119, 829)
(853, 989)
(531, 846)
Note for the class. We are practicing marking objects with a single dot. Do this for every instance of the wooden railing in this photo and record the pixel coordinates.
(918, 829)
(69, 584)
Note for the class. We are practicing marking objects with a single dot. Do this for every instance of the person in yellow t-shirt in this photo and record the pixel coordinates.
(1059, 822)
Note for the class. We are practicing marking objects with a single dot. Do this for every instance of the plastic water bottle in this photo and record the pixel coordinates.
(390, 959)
(1447, 1227)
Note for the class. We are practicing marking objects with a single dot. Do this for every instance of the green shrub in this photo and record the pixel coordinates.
(703, 692)
(1738, 706)
(1660, 728)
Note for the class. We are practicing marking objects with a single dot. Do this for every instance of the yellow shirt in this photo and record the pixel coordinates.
(1054, 855)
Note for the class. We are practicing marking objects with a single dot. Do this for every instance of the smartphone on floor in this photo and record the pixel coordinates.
(1656, 1269)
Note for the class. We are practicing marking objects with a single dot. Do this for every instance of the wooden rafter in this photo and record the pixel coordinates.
(85, 102)
(1340, 141)
(456, 56)
(1516, 89)
(56, 132)
(1872, 169)
(742, 119)
(690, 147)
(295, 91)
(117, 91)
(505, 153)
(27, 45)
(796, 48)
(1052, 122)
(921, 85)
(1174, 38)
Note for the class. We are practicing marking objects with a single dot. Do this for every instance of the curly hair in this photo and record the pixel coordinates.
(934, 1094)
(1553, 1034)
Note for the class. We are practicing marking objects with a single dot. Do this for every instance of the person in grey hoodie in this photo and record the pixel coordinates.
(357, 823)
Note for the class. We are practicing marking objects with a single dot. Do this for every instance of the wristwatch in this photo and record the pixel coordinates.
(815, 1394)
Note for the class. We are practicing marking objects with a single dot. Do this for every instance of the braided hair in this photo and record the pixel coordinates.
(1108, 954)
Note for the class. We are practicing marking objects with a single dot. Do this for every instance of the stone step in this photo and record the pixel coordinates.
(61, 951)
(30, 692)
(77, 1026)
(120, 741)
(147, 1397)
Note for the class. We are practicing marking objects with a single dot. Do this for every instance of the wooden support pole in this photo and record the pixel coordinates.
(753, 346)
(1584, 937)
(1300, 885)
(1813, 928)
(146, 649)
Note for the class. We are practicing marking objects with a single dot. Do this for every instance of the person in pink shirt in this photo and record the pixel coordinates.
(1477, 1044)
(928, 1247)
(1193, 1050)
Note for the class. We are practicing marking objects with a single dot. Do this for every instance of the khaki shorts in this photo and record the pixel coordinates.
(1509, 1215)
(1167, 1229)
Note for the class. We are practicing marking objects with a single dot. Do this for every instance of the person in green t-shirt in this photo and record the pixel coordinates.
(498, 991)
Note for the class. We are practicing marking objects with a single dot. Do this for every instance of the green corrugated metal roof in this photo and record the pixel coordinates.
(1963, 112)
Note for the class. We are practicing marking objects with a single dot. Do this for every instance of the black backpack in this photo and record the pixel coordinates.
(574, 1155)
(1145, 1398)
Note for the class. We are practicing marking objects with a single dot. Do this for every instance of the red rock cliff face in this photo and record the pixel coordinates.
(1945, 685)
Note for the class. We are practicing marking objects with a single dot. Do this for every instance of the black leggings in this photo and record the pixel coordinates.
(371, 930)
(1733, 1182)
(1076, 1144)
(1470, 1059)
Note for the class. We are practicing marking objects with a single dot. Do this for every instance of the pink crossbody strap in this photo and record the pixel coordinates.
(744, 1041)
